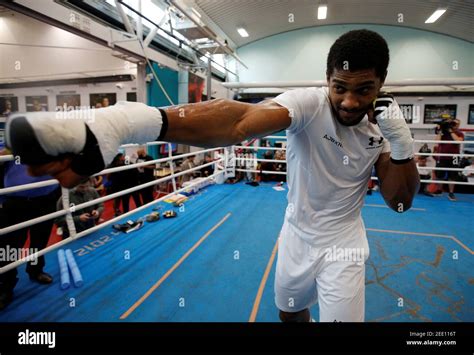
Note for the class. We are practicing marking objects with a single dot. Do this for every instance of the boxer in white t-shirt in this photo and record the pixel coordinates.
(335, 137)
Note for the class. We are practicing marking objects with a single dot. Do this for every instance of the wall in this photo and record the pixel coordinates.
(83, 90)
(415, 54)
(301, 54)
(461, 111)
(169, 80)
(97, 29)
(32, 50)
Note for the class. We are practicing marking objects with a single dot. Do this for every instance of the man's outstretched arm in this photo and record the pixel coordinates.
(74, 147)
(222, 122)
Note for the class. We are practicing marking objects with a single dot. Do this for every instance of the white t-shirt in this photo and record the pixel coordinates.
(329, 166)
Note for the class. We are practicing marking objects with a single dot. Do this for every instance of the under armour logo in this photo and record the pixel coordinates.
(372, 141)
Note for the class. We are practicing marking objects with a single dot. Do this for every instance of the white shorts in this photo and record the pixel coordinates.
(334, 276)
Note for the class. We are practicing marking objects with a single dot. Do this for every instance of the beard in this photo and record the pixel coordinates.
(349, 118)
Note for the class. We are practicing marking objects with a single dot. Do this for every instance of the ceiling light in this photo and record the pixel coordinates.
(322, 12)
(242, 32)
(196, 12)
(436, 15)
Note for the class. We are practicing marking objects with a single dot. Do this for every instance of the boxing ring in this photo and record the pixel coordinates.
(216, 260)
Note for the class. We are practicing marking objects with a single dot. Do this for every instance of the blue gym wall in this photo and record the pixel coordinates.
(301, 54)
(156, 97)
(169, 79)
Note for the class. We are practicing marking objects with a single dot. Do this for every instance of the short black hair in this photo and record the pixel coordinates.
(359, 50)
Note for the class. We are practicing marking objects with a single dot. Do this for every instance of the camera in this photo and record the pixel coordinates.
(444, 125)
(425, 149)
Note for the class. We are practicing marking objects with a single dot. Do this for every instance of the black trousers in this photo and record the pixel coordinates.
(424, 185)
(19, 209)
(125, 199)
(146, 193)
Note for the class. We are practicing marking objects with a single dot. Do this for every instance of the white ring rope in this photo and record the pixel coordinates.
(258, 148)
(415, 140)
(262, 171)
(437, 168)
(9, 157)
(372, 177)
(323, 83)
(443, 142)
(274, 137)
(8, 190)
(170, 156)
(103, 172)
(445, 155)
(68, 210)
(131, 145)
(437, 181)
(69, 219)
(424, 154)
(98, 200)
(257, 159)
(33, 185)
(70, 239)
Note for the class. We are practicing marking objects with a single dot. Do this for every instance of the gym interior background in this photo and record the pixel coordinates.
(55, 55)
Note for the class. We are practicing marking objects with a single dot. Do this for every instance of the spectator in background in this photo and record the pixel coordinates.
(250, 164)
(425, 174)
(280, 155)
(84, 218)
(372, 184)
(448, 133)
(240, 163)
(208, 170)
(98, 184)
(267, 166)
(145, 174)
(8, 108)
(37, 107)
(122, 180)
(188, 163)
(19, 207)
(105, 102)
(469, 172)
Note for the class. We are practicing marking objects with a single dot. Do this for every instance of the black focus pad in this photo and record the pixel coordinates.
(22, 141)
(90, 160)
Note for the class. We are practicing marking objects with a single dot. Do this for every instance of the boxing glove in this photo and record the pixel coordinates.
(394, 128)
(91, 138)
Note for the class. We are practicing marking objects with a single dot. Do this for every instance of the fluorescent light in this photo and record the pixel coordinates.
(196, 12)
(322, 12)
(435, 16)
(242, 32)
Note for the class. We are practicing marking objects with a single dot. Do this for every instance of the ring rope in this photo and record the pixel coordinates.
(68, 240)
(95, 201)
(33, 185)
(170, 158)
